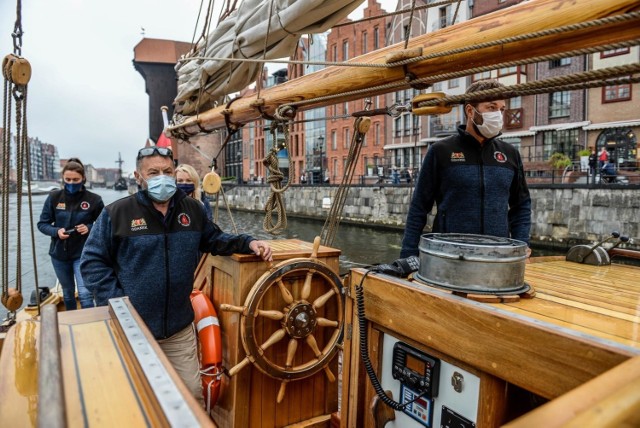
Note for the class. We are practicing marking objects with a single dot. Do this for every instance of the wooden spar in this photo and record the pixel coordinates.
(518, 20)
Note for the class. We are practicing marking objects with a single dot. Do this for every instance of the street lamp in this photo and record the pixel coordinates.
(320, 150)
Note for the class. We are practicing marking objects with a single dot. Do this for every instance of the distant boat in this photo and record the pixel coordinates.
(41, 188)
(121, 184)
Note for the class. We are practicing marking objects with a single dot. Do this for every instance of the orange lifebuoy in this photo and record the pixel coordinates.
(208, 326)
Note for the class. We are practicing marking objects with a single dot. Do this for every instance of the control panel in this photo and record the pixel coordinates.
(435, 392)
(416, 370)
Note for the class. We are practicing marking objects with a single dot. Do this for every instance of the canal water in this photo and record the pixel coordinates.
(360, 245)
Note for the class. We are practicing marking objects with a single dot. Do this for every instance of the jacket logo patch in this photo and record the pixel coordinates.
(500, 157)
(61, 206)
(138, 224)
(457, 157)
(184, 219)
(85, 205)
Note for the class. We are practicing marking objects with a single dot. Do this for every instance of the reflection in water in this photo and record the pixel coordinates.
(26, 365)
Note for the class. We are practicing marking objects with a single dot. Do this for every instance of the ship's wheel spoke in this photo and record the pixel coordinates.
(291, 353)
(283, 388)
(276, 337)
(320, 301)
(323, 322)
(271, 314)
(286, 294)
(306, 288)
(311, 341)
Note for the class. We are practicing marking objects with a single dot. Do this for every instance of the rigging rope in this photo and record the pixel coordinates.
(16, 72)
(360, 128)
(275, 201)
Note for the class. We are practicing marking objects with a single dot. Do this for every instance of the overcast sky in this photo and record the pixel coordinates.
(85, 97)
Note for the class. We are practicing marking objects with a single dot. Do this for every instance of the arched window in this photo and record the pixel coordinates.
(621, 143)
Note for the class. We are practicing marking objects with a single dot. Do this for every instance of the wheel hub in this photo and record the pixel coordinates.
(300, 320)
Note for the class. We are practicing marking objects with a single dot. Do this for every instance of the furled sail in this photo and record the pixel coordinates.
(242, 35)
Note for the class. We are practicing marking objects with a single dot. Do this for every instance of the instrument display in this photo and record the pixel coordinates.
(416, 370)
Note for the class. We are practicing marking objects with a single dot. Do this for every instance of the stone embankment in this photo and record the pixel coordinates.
(562, 216)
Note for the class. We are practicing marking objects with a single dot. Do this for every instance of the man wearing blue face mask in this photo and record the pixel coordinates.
(476, 180)
(67, 217)
(145, 246)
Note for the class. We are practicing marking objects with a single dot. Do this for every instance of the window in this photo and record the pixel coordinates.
(345, 108)
(334, 53)
(437, 87)
(398, 126)
(560, 142)
(345, 143)
(555, 63)
(376, 141)
(407, 123)
(416, 124)
(515, 102)
(364, 42)
(481, 76)
(507, 70)
(334, 140)
(376, 43)
(614, 52)
(454, 83)
(345, 50)
(615, 93)
(559, 104)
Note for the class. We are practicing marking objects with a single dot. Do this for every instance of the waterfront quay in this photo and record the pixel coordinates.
(562, 214)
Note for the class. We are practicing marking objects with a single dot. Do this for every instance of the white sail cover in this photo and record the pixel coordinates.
(242, 35)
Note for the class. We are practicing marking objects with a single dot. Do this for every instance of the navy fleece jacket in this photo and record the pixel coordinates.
(478, 189)
(135, 251)
(64, 210)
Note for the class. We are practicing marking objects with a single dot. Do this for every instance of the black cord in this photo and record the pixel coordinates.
(364, 350)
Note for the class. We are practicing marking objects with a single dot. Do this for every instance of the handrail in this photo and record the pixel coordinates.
(51, 411)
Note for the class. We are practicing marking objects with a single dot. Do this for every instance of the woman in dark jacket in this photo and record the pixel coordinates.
(67, 217)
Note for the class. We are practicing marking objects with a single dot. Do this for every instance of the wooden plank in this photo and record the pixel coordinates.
(490, 339)
(492, 401)
(50, 386)
(612, 394)
(508, 22)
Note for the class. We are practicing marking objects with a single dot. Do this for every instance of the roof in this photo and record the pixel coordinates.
(160, 51)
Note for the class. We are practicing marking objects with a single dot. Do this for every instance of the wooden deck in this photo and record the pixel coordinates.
(104, 382)
(582, 322)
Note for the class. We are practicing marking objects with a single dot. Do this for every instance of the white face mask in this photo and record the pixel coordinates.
(491, 123)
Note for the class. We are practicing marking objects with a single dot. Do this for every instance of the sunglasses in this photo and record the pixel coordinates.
(150, 151)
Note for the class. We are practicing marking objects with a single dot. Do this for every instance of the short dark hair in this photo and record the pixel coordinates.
(482, 85)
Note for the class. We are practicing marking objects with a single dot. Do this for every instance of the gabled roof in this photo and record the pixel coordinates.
(160, 51)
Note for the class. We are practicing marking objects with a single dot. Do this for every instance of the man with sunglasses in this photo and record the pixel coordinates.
(145, 246)
(475, 179)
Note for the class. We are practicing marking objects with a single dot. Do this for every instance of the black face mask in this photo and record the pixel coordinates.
(187, 188)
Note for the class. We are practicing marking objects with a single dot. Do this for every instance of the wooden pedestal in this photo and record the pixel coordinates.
(248, 399)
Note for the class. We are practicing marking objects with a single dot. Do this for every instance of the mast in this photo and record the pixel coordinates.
(516, 21)
(119, 162)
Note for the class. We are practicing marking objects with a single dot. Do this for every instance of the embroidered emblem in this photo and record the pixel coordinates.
(138, 224)
(457, 157)
(184, 219)
(61, 206)
(84, 205)
(500, 157)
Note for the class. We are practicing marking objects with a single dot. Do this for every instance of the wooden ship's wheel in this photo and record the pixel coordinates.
(308, 313)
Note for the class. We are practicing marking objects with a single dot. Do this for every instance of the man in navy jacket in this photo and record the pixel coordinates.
(145, 246)
(476, 180)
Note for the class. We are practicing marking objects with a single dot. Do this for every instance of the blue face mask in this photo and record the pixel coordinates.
(161, 188)
(187, 188)
(72, 188)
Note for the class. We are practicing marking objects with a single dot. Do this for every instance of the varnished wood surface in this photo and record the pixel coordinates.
(609, 400)
(102, 385)
(248, 399)
(600, 301)
(581, 323)
(509, 22)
